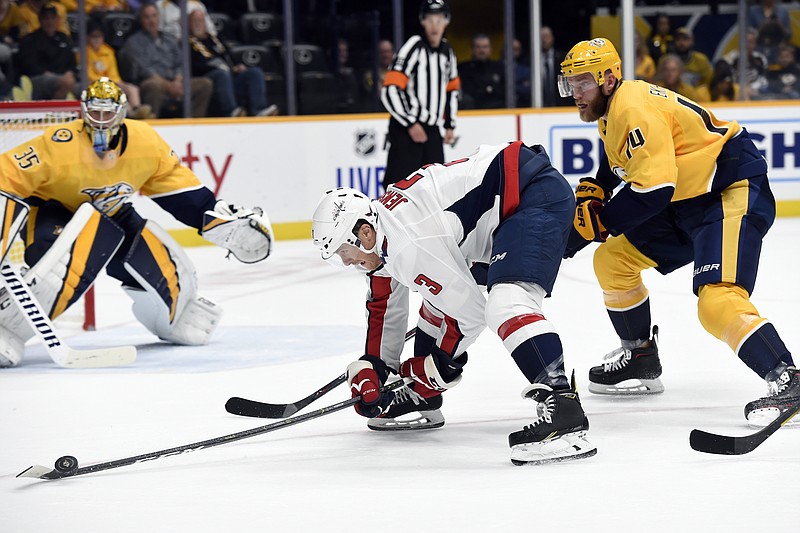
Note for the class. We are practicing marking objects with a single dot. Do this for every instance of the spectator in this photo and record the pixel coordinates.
(645, 66)
(482, 78)
(101, 60)
(96, 6)
(756, 68)
(153, 62)
(723, 88)
(234, 83)
(522, 76)
(170, 12)
(670, 76)
(661, 40)
(29, 11)
(697, 69)
(771, 21)
(551, 66)
(784, 82)
(345, 78)
(46, 56)
(385, 56)
(10, 22)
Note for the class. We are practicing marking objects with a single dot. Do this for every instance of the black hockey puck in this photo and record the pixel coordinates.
(66, 465)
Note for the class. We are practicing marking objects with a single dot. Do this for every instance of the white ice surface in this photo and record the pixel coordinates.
(292, 324)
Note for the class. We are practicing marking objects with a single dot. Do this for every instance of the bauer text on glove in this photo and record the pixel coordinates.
(587, 221)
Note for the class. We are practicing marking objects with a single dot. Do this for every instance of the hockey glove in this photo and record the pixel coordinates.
(587, 221)
(591, 189)
(365, 377)
(436, 372)
(246, 233)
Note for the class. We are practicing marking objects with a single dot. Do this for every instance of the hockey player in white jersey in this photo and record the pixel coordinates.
(504, 208)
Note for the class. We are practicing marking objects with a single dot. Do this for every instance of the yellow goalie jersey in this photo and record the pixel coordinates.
(62, 165)
(664, 146)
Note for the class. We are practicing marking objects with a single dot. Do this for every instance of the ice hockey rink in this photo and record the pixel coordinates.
(293, 323)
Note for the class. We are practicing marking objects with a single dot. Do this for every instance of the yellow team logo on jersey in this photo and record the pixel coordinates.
(62, 135)
(110, 198)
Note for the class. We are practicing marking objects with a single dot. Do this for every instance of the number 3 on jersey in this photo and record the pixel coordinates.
(424, 281)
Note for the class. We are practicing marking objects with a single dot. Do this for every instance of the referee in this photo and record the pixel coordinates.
(420, 91)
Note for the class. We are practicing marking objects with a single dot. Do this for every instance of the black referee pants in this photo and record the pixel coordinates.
(406, 156)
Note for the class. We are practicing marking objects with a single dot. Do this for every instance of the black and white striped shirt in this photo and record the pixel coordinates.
(422, 84)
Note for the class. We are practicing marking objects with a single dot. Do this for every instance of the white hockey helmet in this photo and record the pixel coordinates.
(335, 219)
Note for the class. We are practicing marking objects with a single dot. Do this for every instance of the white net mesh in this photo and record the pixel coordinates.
(21, 122)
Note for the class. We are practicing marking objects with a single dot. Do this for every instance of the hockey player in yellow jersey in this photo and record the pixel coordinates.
(78, 179)
(694, 189)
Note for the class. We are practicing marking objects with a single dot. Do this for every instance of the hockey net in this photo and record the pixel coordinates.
(20, 122)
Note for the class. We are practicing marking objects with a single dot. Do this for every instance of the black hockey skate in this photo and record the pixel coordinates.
(559, 432)
(409, 411)
(629, 372)
(784, 392)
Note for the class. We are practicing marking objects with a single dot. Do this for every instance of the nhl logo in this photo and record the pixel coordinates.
(365, 142)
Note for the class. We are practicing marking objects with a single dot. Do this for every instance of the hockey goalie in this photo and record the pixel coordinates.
(77, 180)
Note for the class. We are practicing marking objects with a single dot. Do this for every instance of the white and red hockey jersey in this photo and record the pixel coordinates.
(432, 227)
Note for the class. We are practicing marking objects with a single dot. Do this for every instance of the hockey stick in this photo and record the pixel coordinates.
(252, 408)
(67, 466)
(703, 441)
(41, 324)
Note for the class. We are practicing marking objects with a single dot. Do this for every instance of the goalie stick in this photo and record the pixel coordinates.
(252, 408)
(67, 466)
(41, 324)
(703, 441)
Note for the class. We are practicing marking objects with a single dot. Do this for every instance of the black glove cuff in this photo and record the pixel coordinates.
(448, 367)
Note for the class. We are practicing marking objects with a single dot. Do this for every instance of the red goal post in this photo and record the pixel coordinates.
(20, 122)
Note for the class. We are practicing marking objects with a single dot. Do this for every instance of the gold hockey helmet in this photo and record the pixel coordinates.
(594, 57)
(104, 106)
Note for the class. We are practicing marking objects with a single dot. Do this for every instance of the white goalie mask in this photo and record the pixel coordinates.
(104, 106)
(335, 219)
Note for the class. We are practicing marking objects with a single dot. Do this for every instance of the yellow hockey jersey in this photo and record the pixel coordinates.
(657, 138)
(61, 165)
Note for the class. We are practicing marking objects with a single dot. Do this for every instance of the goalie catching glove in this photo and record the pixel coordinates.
(365, 378)
(246, 233)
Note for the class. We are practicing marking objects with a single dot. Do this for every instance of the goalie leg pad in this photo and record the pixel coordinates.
(12, 347)
(167, 303)
(13, 213)
(67, 269)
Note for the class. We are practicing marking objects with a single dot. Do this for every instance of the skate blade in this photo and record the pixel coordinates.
(760, 418)
(568, 447)
(629, 387)
(413, 421)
